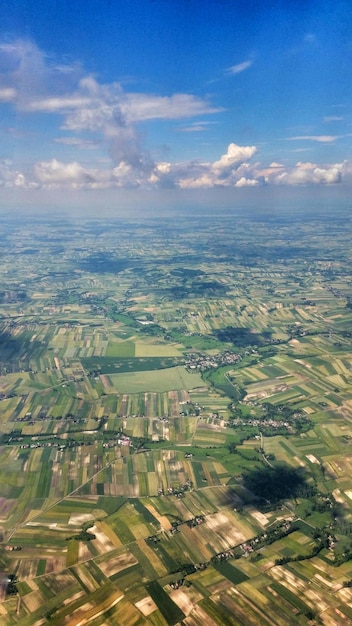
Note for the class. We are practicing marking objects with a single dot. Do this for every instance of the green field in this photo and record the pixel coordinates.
(172, 378)
(124, 364)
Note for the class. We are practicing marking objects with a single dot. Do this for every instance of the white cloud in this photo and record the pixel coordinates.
(246, 182)
(56, 172)
(11, 178)
(77, 142)
(205, 181)
(7, 94)
(310, 173)
(234, 156)
(232, 169)
(58, 104)
(240, 67)
(97, 108)
(318, 138)
(163, 168)
(195, 127)
(225, 172)
(296, 150)
(135, 107)
(34, 84)
(332, 118)
(29, 74)
(140, 107)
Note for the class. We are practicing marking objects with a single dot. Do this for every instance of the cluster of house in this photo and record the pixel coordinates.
(263, 422)
(179, 492)
(202, 362)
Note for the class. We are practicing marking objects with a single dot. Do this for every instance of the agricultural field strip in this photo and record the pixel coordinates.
(125, 546)
(288, 283)
(13, 531)
(112, 462)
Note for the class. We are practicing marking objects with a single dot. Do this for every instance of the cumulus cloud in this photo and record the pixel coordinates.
(12, 178)
(136, 169)
(224, 172)
(246, 182)
(55, 172)
(232, 169)
(234, 156)
(246, 174)
(309, 173)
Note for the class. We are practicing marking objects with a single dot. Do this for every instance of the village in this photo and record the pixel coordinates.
(203, 362)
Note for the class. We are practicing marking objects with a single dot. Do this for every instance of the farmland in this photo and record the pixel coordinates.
(176, 420)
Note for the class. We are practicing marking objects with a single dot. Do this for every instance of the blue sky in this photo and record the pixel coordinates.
(98, 99)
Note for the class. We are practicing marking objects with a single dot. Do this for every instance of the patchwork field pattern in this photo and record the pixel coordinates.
(176, 427)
